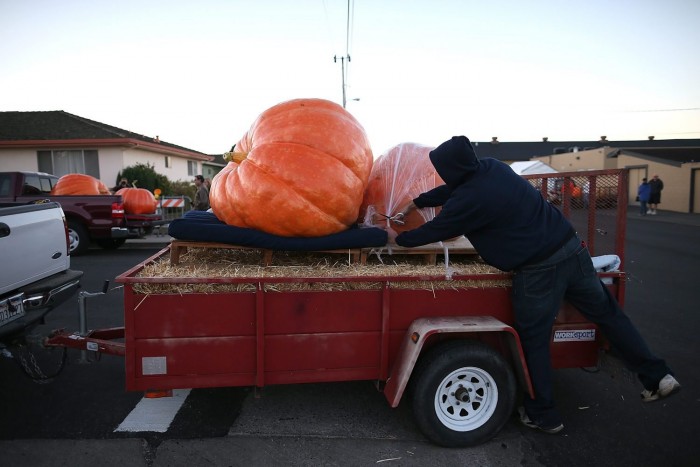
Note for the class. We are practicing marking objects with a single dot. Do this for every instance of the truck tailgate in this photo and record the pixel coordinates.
(41, 227)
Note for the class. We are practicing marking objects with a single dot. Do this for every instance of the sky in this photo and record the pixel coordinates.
(198, 73)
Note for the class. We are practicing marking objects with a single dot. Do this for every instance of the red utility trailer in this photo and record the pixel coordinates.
(451, 342)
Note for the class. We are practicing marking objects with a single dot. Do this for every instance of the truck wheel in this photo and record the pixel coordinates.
(111, 243)
(78, 238)
(463, 393)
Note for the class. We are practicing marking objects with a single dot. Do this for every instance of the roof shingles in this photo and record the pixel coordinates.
(58, 125)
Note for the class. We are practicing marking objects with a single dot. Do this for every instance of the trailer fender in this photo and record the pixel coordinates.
(422, 329)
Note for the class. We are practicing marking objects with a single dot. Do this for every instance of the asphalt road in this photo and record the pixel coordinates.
(72, 420)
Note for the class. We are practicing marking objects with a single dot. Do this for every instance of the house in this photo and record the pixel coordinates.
(59, 143)
(525, 151)
(214, 166)
(676, 161)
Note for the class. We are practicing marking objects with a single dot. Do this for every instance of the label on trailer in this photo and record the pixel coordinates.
(574, 335)
(154, 366)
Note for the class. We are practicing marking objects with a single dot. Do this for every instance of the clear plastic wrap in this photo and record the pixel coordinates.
(399, 175)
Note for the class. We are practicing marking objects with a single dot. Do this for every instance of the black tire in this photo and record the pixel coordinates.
(78, 238)
(463, 393)
(111, 243)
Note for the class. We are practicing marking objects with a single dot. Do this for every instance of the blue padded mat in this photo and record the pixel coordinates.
(204, 226)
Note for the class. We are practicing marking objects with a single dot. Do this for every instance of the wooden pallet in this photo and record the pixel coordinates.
(460, 246)
(430, 252)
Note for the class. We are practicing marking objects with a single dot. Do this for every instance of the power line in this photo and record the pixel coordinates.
(663, 110)
(346, 57)
(347, 32)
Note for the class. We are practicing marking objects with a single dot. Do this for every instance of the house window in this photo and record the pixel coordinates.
(168, 162)
(191, 168)
(63, 162)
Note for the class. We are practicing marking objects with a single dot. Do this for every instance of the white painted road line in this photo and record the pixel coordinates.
(154, 414)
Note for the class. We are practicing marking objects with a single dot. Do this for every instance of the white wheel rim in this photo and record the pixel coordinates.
(73, 239)
(466, 399)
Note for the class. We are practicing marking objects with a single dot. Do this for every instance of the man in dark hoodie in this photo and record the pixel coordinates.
(515, 229)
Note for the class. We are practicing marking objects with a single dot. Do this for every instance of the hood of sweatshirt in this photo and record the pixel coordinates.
(454, 160)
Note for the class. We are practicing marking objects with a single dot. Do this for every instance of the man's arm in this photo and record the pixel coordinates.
(435, 197)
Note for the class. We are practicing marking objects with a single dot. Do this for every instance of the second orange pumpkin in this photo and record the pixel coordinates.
(138, 200)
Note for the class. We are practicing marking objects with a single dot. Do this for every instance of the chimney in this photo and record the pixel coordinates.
(651, 138)
(545, 139)
(494, 140)
(156, 139)
(603, 138)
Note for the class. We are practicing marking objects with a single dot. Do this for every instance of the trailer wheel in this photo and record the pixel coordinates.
(463, 393)
(78, 238)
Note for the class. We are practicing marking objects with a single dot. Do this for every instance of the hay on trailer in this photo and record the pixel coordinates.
(227, 263)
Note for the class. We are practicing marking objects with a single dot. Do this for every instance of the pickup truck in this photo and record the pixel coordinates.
(36, 274)
(98, 218)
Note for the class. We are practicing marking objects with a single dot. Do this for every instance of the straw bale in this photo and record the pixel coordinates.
(231, 263)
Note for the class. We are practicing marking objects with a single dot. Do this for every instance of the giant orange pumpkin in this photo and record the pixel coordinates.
(399, 175)
(77, 184)
(138, 200)
(299, 171)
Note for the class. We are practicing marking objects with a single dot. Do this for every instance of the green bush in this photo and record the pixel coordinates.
(145, 176)
(181, 189)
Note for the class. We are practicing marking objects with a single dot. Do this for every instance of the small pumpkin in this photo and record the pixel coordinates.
(77, 184)
(299, 171)
(138, 200)
(399, 175)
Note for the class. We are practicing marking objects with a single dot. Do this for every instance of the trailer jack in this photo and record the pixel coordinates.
(100, 340)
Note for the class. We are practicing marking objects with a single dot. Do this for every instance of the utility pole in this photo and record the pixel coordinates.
(342, 70)
(346, 56)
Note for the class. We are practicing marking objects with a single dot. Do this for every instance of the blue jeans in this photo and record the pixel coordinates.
(643, 208)
(538, 291)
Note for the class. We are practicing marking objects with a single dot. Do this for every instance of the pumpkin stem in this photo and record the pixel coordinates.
(234, 156)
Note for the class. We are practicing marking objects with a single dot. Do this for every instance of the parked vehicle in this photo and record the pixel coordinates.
(446, 340)
(36, 275)
(98, 218)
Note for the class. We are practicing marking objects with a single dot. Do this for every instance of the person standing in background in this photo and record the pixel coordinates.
(123, 183)
(656, 186)
(643, 193)
(201, 197)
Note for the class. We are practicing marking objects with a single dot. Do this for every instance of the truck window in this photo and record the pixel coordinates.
(31, 185)
(5, 184)
(45, 185)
